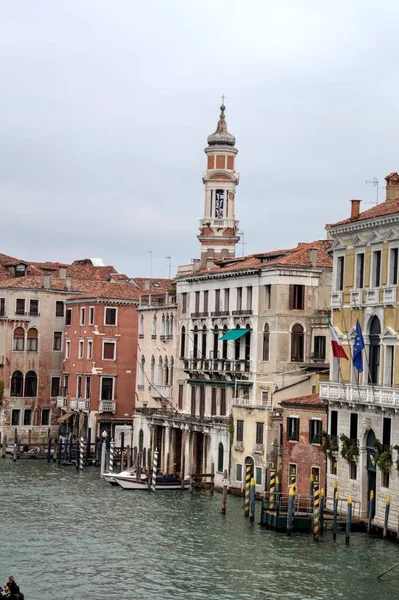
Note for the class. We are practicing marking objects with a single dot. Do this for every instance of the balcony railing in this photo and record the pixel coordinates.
(83, 404)
(356, 298)
(74, 403)
(221, 365)
(372, 296)
(106, 406)
(389, 295)
(248, 403)
(61, 402)
(336, 299)
(242, 312)
(161, 391)
(199, 315)
(220, 313)
(318, 356)
(362, 394)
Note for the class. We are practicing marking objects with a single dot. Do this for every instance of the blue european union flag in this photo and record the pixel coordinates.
(357, 348)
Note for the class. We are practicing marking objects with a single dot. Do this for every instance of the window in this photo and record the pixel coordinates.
(141, 373)
(353, 427)
(154, 328)
(88, 387)
(296, 297)
(214, 401)
(258, 476)
(360, 270)
(239, 298)
(111, 316)
(206, 300)
(89, 349)
(259, 433)
(2, 307)
(141, 327)
(238, 472)
(226, 299)
(31, 340)
(180, 397)
(249, 297)
(79, 379)
(220, 458)
(57, 342)
(376, 278)
(81, 348)
(19, 339)
(393, 266)
(293, 429)
(30, 385)
(17, 384)
(109, 350)
(224, 343)
(334, 423)
(66, 385)
(216, 336)
(239, 430)
(297, 343)
(266, 342)
(292, 474)
(315, 471)
(184, 303)
(183, 342)
(27, 417)
(389, 365)
(339, 284)
(82, 315)
(107, 388)
(193, 400)
(34, 308)
(352, 470)
(68, 349)
(152, 371)
(55, 386)
(15, 416)
(202, 401)
(314, 431)
(268, 296)
(386, 432)
(223, 401)
(319, 349)
(45, 416)
(20, 306)
(59, 308)
(203, 344)
(217, 300)
(266, 398)
(91, 315)
(197, 302)
(68, 318)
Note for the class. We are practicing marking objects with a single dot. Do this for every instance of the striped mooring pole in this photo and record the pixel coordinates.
(111, 455)
(247, 489)
(277, 491)
(316, 512)
(252, 501)
(154, 471)
(371, 511)
(348, 521)
(311, 482)
(321, 511)
(81, 453)
(387, 506)
(272, 489)
(335, 522)
(290, 513)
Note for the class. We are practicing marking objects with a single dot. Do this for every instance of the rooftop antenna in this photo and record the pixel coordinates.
(169, 259)
(223, 97)
(241, 233)
(150, 253)
(374, 183)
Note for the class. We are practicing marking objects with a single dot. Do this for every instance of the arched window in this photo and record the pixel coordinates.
(171, 370)
(224, 343)
(141, 326)
(183, 342)
(165, 371)
(374, 351)
(30, 385)
(266, 342)
(171, 327)
(160, 369)
(17, 384)
(195, 342)
(237, 346)
(154, 327)
(141, 373)
(247, 342)
(167, 326)
(163, 326)
(220, 457)
(141, 440)
(152, 369)
(31, 342)
(297, 343)
(215, 341)
(19, 339)
(204, 338)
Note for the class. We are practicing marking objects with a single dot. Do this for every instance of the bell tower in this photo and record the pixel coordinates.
(218, 228)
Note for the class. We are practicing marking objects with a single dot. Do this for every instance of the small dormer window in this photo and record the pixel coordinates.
(20, 270)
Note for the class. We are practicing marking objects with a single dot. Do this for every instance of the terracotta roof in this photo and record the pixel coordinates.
(157, 285)
(310, 400)
(301, 256)
(114, 291)
(389, 207)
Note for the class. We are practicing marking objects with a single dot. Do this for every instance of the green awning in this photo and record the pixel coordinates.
(234, 334)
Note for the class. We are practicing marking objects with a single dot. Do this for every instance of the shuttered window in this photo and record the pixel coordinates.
(223, 401)
(296, 297)
(180, 398)
(213, 401)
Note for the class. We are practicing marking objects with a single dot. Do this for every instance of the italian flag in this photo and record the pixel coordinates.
(337, 348)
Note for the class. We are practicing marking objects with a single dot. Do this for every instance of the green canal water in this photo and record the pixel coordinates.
(71, 536)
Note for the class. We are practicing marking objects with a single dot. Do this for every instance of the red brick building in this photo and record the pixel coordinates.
(303, 420)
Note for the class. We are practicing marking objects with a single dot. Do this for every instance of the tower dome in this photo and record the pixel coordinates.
(221, 137)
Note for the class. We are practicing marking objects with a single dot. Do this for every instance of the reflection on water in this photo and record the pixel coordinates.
(68, 536)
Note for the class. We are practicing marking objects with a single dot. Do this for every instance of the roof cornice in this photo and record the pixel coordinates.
(363, 225)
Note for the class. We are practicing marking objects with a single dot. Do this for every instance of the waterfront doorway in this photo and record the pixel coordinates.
(371, 468)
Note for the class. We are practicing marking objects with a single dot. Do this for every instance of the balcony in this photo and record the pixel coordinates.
(199, 315)
(385, 397)
(336, 299)
(106, 406)
(372, 296)
(220, 313)
(389, 295)
(74, 403)
(247, 403)
(61, 402)
(356, 298)
(220, 365)
(161, 391)
(243, 312)
(83, 404)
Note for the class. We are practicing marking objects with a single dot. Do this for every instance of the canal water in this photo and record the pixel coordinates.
(71, 536)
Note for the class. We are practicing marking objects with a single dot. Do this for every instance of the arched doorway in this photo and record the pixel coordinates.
(371, 468)
(374, 353)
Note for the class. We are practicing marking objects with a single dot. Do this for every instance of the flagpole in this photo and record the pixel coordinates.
(368, 365)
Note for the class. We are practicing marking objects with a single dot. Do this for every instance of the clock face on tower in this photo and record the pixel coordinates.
(219, 202)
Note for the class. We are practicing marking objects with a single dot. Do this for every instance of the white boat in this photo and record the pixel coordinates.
(110, 475)
(163, 482)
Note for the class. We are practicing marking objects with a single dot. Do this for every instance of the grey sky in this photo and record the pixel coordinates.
(106, 107)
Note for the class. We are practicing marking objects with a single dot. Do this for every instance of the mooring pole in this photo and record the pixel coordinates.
(154, 471)
(290, 512)
(321, 511)
(311, 481)
(316, 511)
(387, 506)
(272, 488)
(348, 521)
(247, 488)
(82, 450)
(335, 511)
(371, 511)
(252, 501)
(102, 468)
(111, 456)
(224, 495)
(49, 451)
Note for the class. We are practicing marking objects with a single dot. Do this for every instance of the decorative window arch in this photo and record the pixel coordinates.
(216, 342)
(141, 326)
(160, 371)
(154, 327)
(374, 358)
(171, 370)
(237, 346)
(195, 342)
(204, 341)
(220, 457)
(183, 342)
(17, 384)
(32, 340)
(152, 369)
(19, 339)
(224, 343)
(165, 371)
(297, 343)
(167, 326)
(163, 326)
(266, 342)
(30, 385)
(171, 324)
(141, 372)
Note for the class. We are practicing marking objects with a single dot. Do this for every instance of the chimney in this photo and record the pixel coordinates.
(47, 282)
(68, 283)
(196, 265)
(355, 209)
(147, 284)
(313, 257)
(392, 186)
(62, 272)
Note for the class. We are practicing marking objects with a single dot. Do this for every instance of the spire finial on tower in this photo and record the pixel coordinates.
(221, 136)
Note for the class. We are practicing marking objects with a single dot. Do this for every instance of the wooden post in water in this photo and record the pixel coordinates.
(272, 489)
(128, 461)
(212, 477)
(29, 437)
(15, 451)
(348, 521)
(111, 456)
(247, 488)
(49, 451)
(387, 506)
(290, 513)
(77, 452)
(82, 453)
(122, 438)
(371, 511)
(321, 511)
(59, 450)
(103, 450)
(4, 447)
(311, 484)
(154, 471)
(316, 512)
(224, 494)
(252, 501)
(335, 524)
(88, 446)
(192, 478)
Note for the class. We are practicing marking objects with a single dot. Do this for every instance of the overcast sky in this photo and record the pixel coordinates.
(106, 107)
